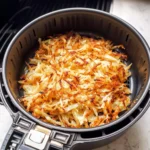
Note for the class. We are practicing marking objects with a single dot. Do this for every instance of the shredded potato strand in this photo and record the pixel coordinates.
(76, 81)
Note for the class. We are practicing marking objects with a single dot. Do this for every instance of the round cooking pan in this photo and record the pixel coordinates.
(87, 22)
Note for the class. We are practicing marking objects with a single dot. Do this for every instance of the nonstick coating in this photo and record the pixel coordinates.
(87, 22)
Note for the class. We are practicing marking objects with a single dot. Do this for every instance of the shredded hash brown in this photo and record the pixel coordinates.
(76, 81)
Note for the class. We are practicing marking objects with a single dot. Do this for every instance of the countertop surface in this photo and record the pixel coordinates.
(137, 13)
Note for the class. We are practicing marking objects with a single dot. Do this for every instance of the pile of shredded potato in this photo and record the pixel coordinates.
(76, 81)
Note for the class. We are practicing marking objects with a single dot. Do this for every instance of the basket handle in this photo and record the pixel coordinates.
(17, 133)
(26, 135)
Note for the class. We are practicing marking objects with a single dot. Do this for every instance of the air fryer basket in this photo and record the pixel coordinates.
(87, 21)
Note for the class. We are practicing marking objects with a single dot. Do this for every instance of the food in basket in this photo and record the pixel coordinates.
(76, 81)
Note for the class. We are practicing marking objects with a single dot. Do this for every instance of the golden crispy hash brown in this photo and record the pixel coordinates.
(76, 81)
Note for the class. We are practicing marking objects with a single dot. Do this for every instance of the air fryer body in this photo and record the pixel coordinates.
(85, 21)
(88, 22)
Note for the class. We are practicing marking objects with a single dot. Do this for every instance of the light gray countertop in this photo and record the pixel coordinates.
(137, 13)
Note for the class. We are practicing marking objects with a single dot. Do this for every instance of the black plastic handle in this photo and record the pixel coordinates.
(17, 133)
(13, 138)
(22, 129)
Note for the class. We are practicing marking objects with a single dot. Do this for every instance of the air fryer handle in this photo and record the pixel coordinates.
(17, 133)
(14, 139)
(25, 134)
(8, 141)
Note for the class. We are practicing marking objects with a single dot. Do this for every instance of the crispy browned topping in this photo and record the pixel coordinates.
(76, 81)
